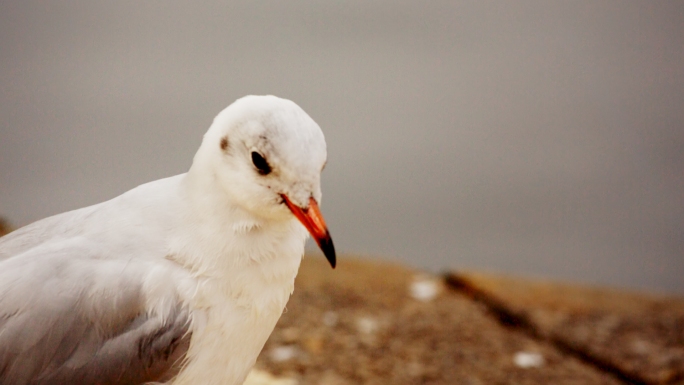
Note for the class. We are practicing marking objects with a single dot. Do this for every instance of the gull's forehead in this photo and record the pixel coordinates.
(278, 126)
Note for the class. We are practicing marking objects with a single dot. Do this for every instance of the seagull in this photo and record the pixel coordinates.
(177, 281)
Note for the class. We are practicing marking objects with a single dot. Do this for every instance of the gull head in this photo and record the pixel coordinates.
(266, 155)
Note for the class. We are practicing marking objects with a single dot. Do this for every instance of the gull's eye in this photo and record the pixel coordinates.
(260, 163)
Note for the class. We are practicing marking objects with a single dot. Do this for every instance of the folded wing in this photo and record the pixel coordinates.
(69, 314)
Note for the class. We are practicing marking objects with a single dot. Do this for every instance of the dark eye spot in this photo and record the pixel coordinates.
(260, 163)
(224, 143)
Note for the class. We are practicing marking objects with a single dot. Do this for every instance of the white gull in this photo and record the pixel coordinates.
(180, 280)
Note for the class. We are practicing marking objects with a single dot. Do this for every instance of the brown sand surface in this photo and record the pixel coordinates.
(376, 323)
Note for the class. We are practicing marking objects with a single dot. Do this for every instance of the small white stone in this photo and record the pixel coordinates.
(424, 288)
(330, 318)
(259, 377)
(527, 360)
(366, 325)
(283, 353)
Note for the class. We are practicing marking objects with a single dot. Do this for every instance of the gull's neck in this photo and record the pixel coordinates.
(219, 236)
(213, 207)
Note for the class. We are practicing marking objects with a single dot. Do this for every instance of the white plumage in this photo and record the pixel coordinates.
(182, 279)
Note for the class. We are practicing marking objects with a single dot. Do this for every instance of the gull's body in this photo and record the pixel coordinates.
(180, 280)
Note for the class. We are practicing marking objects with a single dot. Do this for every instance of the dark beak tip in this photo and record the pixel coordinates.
(328, 249)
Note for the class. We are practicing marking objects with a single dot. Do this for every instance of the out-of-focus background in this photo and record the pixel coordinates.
(536, 138)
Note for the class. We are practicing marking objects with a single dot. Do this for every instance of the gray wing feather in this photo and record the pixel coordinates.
(68, 316)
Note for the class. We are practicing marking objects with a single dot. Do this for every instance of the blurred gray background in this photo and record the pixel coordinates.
(535, 138)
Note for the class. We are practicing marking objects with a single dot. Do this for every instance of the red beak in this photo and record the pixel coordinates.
(312, 219)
